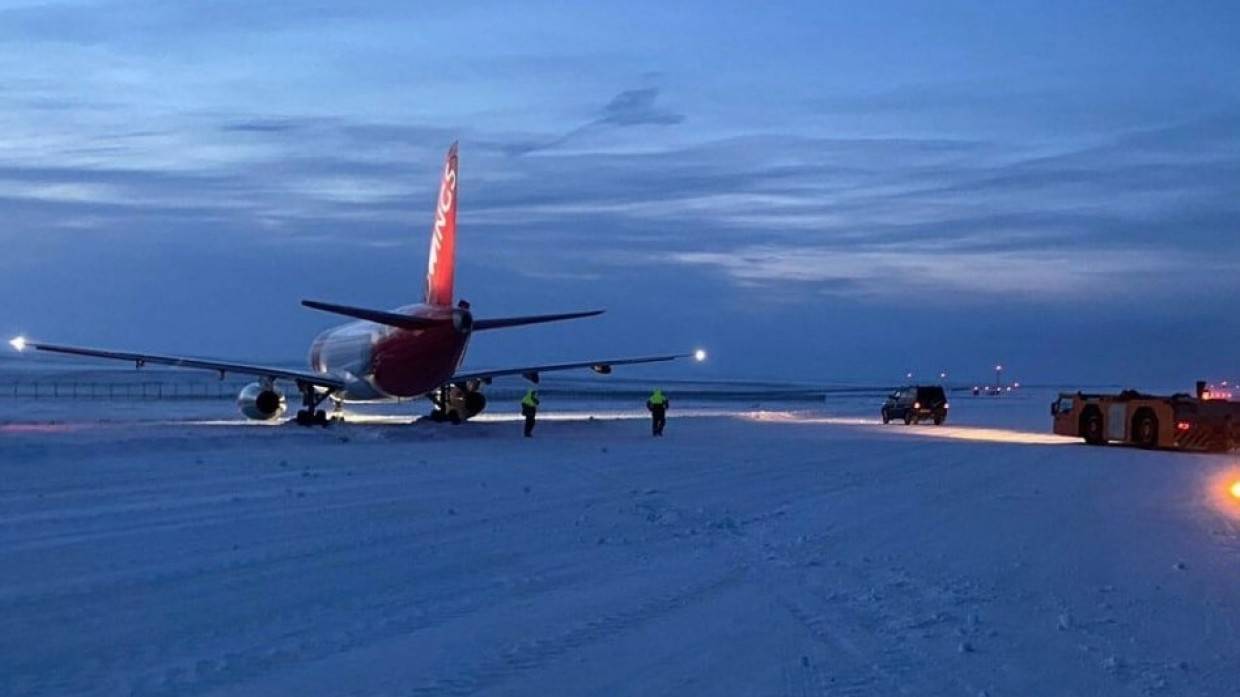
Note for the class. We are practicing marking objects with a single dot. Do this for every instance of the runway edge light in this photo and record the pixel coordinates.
(18, 343)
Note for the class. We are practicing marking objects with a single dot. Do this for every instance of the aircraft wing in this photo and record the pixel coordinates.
(532, 372)
(141, 359)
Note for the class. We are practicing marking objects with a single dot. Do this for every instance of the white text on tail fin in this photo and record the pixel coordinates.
(442, 259)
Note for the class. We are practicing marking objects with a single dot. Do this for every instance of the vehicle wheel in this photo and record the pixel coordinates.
(1220, 444)
(1091, 427)
(1145, 431)
(886, 417)
(320, 417)
(908, 418)
(303, 418)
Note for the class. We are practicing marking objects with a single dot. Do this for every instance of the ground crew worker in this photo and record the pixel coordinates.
(657, 404)
(529, 409)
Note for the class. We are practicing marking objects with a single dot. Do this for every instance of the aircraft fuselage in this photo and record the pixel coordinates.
(380, 362)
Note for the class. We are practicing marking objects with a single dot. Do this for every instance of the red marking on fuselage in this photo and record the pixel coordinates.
(394, 362)
(410, 364)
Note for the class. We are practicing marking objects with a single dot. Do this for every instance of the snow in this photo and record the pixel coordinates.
(169, 548)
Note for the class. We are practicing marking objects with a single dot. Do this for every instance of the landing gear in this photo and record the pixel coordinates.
(317, 417)
(311, 398)
(457, 403)
(443, 410)
(439, 399)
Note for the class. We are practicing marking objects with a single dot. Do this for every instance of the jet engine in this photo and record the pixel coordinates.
(474, 403)
(261, 401)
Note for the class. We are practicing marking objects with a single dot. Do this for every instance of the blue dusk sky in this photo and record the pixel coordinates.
(812, 190)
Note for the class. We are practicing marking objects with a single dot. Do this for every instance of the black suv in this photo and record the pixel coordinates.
(912, 404)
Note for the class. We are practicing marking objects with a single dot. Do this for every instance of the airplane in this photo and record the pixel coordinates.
(412, 351)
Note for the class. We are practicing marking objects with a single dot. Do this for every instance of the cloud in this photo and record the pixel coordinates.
(265, 125)
(864, 217)
(130, 21)
(627, 109)
(139, 141)
(1039, 276)
(637, 108)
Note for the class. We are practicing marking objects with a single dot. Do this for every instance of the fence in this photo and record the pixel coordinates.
(120, 390)
(126, 390)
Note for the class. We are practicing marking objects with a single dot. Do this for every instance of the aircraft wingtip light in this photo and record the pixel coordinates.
(699, 355)
(18, 343)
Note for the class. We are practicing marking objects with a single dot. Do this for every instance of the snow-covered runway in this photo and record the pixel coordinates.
(764, 552)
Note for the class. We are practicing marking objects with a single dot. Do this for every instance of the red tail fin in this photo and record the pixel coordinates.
(442, 259)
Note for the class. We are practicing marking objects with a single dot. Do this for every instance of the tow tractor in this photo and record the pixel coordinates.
(1207, 422)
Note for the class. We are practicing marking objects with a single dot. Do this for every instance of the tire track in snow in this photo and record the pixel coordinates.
(295, 621)
(307, 642)
(875, 659)
(496, 669)
(333, 549)
(339, 543)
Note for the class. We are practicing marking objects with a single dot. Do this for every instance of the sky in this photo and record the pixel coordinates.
(813, 191)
